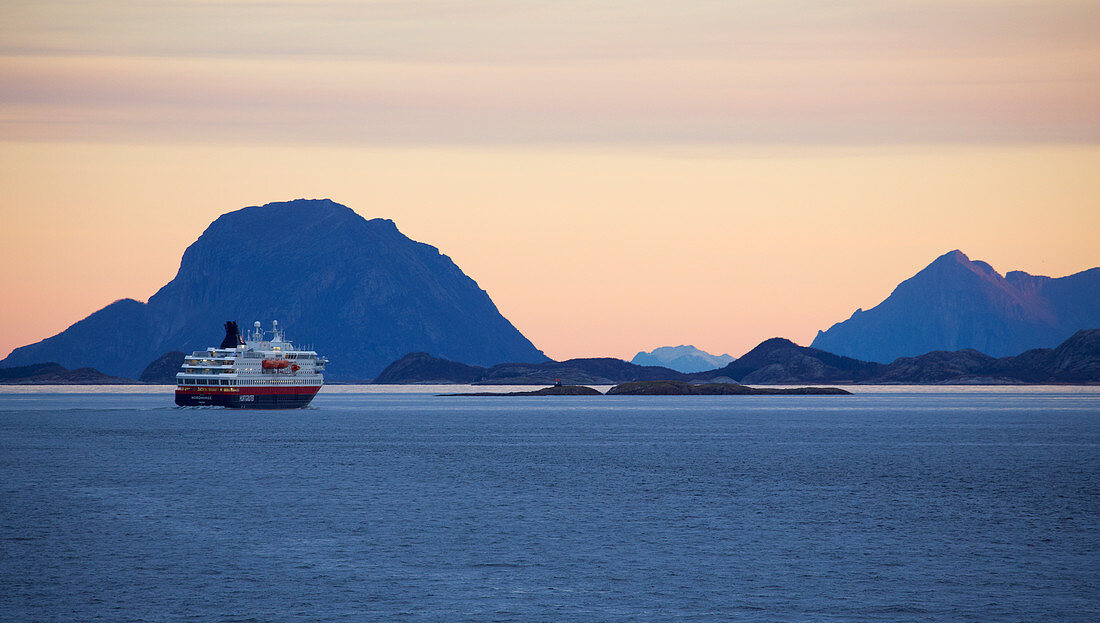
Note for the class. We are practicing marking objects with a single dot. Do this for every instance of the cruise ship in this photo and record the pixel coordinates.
(259, 371)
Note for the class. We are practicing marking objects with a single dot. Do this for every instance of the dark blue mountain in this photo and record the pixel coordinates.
(359, 291)
(956, 304)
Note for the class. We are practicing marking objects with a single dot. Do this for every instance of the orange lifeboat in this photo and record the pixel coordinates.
(295, 367)
(274, 364)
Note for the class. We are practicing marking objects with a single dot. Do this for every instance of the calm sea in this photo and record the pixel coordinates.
(896, 504)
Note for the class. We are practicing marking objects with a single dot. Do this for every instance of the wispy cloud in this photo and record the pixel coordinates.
(493, 72)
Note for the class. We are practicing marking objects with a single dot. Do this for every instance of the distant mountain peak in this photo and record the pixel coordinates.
(958, 262)
(318, 208)
(683, 358)
(775, 342)
(323, 202)
(957, 256)
(956, 303)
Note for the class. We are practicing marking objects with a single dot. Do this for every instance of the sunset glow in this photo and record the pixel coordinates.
(617, 176)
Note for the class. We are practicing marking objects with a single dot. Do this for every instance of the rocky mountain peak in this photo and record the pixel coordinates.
(956, 303)
(358, 290)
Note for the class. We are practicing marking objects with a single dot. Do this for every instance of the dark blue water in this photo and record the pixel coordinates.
(879, 507)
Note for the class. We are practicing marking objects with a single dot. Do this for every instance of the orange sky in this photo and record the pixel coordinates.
(588, 252)
(616, 179)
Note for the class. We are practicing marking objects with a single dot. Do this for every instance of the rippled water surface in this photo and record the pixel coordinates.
(890, 505)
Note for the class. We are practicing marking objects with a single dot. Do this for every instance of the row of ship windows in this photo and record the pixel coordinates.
(213, 371)
(262, 355)
(224, 361)
(245, 382)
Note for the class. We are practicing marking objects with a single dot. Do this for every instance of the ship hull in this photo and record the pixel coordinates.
(250, 398)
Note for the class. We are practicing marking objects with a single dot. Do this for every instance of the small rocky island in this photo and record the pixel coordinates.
(669, 388)
(680, 388)
(556, 390)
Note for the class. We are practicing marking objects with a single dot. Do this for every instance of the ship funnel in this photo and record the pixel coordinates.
(232, 335)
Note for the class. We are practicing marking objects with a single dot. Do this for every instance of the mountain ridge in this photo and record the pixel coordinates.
(779, 361)
(956, 303)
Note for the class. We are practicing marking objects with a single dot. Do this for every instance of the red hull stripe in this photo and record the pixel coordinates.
(249, 391)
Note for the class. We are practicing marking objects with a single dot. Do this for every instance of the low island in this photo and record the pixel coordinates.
(556, 390)
(669, 388)
(680, 388)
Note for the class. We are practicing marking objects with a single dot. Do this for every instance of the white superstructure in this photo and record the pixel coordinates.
(265, 364)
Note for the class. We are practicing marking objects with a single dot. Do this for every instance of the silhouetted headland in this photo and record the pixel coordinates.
(51, 373)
